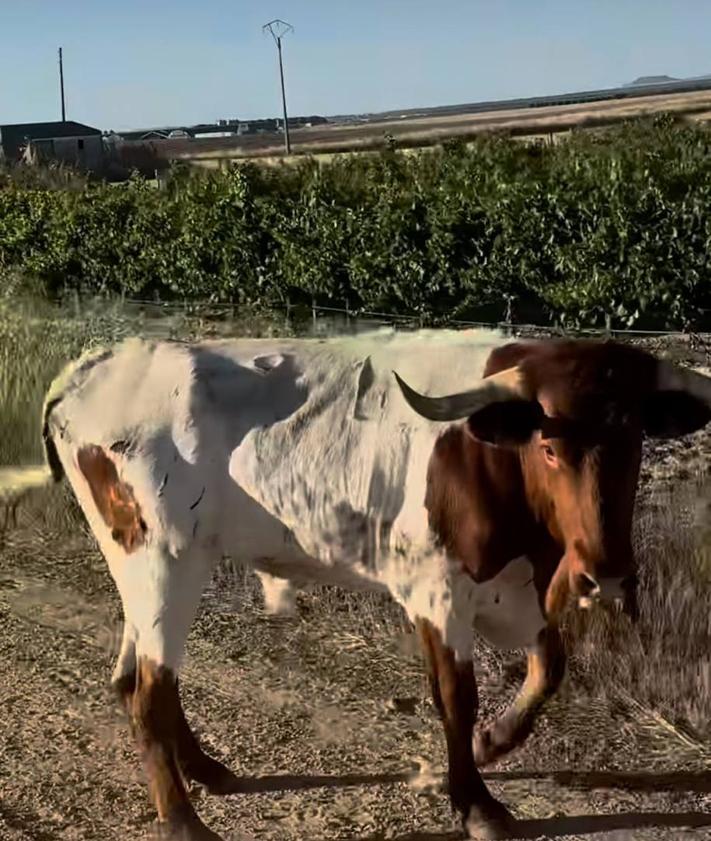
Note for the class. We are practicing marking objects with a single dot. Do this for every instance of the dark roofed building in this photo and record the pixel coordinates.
(14, 137)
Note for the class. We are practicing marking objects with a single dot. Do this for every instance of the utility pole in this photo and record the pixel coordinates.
(61, 85)
(277, 29)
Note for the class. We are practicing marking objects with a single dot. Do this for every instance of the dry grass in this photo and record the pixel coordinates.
(418, 132)
(660, 668)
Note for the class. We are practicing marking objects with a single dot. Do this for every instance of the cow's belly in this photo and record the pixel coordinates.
(504, 610)
(507, 611)
(428, 585)
(251, 535)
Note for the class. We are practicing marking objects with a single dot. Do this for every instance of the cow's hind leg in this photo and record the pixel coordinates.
(195, 764)
(546, 667)
(160, 593)
(455, 695)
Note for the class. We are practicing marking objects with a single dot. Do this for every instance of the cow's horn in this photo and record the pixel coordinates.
(506, 385)
(672, 377)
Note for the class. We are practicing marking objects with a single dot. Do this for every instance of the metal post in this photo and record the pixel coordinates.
(61, 86)
(287, 139)
(277, 29)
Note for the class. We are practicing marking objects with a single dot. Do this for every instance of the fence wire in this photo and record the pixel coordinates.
(207, 307)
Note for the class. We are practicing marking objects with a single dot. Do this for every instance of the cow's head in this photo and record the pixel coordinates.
(577, 411)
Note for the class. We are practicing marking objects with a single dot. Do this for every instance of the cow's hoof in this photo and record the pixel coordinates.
(225, 783)
(216, 778)
(486, 823)
(488, 746)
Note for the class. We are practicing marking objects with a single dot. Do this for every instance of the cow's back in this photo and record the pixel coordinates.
(272, 451)
(347, 471)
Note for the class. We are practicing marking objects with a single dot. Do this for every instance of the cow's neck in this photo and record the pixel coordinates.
(476, 501)
(538, 498)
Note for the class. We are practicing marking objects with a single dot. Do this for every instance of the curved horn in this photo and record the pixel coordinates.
(506, 385)
(672, 377)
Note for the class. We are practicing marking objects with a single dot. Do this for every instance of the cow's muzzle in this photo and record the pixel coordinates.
(617, 592)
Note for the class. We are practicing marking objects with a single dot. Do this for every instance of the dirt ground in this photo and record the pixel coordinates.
(326, 715)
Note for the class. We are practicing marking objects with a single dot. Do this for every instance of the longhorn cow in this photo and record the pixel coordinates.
(487, 510)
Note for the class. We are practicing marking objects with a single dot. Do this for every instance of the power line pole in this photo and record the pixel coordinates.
(61, 85)
(277, 29)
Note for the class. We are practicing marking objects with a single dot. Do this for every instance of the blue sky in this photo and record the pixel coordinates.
(131, 63)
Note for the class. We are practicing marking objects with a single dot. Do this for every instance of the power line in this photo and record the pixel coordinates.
(277, 29)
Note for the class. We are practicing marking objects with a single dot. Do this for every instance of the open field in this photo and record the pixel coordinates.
(327, 715)
(418, 131)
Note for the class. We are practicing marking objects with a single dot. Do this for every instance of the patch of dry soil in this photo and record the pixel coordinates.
(326, 713)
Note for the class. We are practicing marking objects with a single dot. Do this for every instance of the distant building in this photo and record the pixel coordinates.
(68, 142)
(231, 127)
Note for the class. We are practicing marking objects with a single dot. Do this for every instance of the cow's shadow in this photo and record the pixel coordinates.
(577, 825)
(528, 829)
(632, 780)
(698, 782)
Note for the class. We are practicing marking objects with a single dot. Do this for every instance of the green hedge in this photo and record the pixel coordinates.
(602, 228)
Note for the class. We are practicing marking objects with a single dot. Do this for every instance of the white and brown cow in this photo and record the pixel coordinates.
(483, 511)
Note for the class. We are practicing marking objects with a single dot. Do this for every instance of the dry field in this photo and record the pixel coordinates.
(327, 715)
(423, 131)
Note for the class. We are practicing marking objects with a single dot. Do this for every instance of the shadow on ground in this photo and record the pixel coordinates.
(577, 825)
(542, 828)
(689, 781)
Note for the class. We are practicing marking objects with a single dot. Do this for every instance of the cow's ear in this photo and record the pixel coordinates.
(508, 356)
(670, 414)
(508, 423)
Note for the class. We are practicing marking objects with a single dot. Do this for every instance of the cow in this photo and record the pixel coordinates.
(486, 484)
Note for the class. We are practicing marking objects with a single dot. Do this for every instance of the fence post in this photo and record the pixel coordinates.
(508, 316)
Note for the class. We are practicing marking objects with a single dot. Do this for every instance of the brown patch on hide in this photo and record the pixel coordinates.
(154, 714)
(113, 497)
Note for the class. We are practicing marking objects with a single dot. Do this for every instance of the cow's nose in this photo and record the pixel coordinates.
(587, 589)
(586, 585)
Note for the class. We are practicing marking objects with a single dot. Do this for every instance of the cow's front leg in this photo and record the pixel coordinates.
(546, 667)
(455, 695)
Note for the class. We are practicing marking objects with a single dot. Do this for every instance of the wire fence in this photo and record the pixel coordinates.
(369, 317)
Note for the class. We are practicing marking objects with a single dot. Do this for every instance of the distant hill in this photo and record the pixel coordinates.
(651, 80)
(643, 81)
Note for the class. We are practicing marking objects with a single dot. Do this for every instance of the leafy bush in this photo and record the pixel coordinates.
(606, 228)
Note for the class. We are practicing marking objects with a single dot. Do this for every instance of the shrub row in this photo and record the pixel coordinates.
(610, 227)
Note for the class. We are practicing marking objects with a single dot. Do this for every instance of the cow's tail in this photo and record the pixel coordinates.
(15, 482)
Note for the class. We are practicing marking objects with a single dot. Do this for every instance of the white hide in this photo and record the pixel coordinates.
(299, 457)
